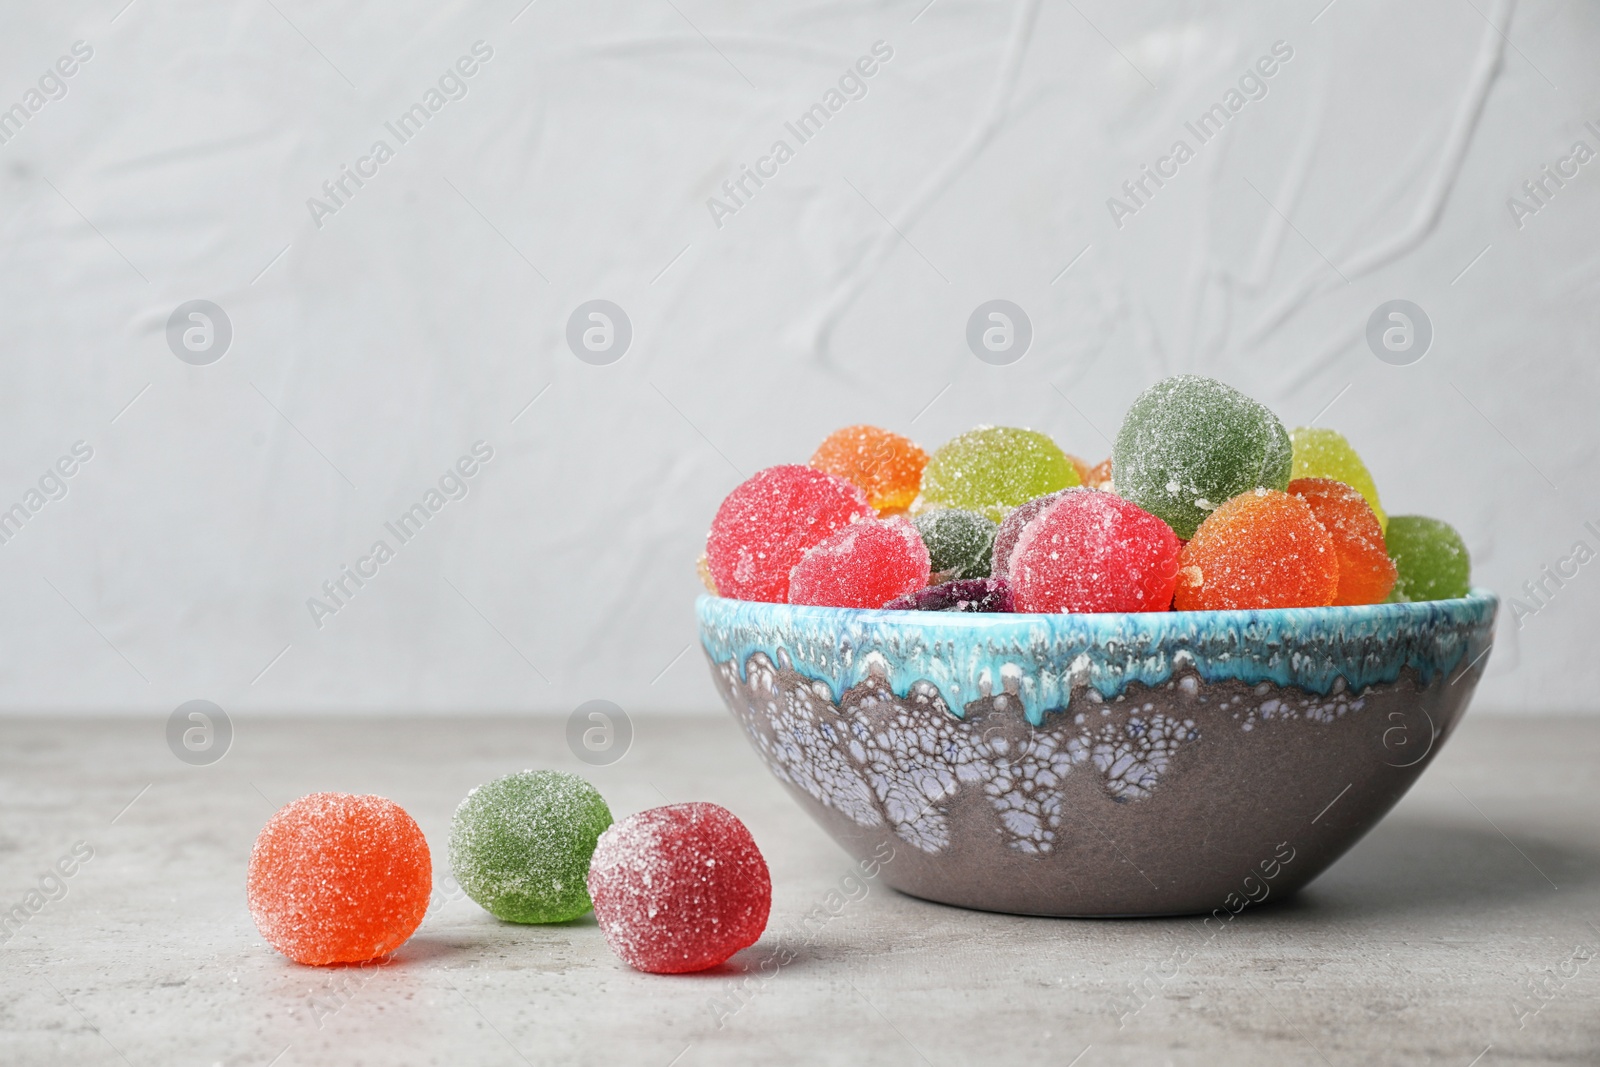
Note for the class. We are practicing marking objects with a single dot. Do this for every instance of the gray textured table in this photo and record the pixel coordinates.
(1459, 925)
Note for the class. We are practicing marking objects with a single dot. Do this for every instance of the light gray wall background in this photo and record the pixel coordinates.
(372, 351)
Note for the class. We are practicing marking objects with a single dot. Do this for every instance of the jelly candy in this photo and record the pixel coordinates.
(702, 567)
(1090, 551)
(1189, 443)
(968, 594)
(339, 878)
(1262, 549)
(679, 888)
(1005, 538)
(1430, 557)
(520, 845)
(863, 565)
(768, 522)
(1100, 475)
(992, 469)
(1320, 453)
(1366, 573)
(959, 542)
(886, 466)
(1079, 467)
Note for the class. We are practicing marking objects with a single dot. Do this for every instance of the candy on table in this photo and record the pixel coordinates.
(1261, 549)
(887, 466)
(1100, 475)
(1320, 453)
(1189, 443)
(1366, 573)
(959, 542)
(863, 565)
(1430, 557)
(679, 888)
(967, 594)
(1090, 551)
(1005, 538)
(339, 878)
(702, 567)
(992, 469)
(768, 522)
(520, 845)
(1079, 467)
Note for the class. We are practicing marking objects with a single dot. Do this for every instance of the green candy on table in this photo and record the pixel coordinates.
(959, 542)
(520, 845)
(1430, 557)
(992, 469)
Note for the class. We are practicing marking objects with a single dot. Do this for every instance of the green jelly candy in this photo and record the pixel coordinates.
(1430, 557)
(520, 845)
(1188, 444)
(959, 542)
(1320, 453)
(992, 469)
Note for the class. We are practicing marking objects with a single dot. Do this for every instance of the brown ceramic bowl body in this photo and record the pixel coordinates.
(1098, 765)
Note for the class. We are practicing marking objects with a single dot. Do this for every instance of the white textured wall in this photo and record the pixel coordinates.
(428, 311)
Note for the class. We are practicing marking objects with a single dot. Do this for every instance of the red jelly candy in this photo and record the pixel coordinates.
(766, 524)
(1261, 549)
(679, 888)
(1366, 573)
(338, 878)
(1091, 551)
(1005, 538)
(863, 565)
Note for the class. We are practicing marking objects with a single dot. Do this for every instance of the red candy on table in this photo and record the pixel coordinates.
(768, 522)
(679, 888)
(1366, 573)
(1261, 549)
(1090, 551)
(339, 878)
(863, 565)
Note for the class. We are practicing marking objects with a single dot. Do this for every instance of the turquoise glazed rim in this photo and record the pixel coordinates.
(1042, 659)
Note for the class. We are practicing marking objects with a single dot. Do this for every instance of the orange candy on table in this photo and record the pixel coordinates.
(886, 466)
(1261, 549)
(1366, 573)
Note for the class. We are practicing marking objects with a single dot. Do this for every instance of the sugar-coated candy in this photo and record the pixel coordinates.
(339, 878)
(768, 522)
(702, 567)
(863, 565)
(959, 542)
(520, 845)
(679, 888)
(1091, 551)
(1190, 443)
(992, 469)
(1005, 538)
(1261, 549)
(886, 466)
(1099, 475)
(967, 594)
(1079, 467)
(1366, 573)
(1430, 557)
(1320, 453)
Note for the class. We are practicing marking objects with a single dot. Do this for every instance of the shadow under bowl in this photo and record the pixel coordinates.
(1098, 765)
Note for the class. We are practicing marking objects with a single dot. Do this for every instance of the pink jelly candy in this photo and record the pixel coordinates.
(679, 888)
(766, 524)
(1092, 551)
(1005, 538)
(863, 565)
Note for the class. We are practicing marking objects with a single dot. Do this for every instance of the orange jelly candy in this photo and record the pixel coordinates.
(339, 878)
(1261, 549)
(886, 466)
(1366, 573)
(1081, 467)
(1099, 476)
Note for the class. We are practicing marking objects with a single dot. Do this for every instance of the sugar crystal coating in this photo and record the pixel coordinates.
(863, 565)
(1262, 549)
(886, 466)
(959, 542)
(1320, 453)
(1190, 443)
(1005, 538)
(1430, 557)
(520, 845)
(992, 469)
(967, 594)
(769, 521)
(1091, 551)
(1366, 573)
(339, 878)
(679, 888)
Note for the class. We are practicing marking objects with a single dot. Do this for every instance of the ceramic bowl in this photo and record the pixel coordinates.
(1098, 765)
